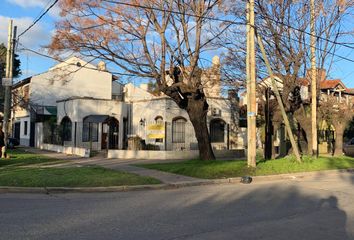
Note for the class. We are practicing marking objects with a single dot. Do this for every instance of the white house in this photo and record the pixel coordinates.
(78, 105)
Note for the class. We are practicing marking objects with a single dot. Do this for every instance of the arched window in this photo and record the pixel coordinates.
(66, 126)
(217, 130)
(158, 120)
(178, 130)
(89, 131)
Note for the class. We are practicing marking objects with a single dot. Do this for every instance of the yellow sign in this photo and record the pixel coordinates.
(156, 131)
(156, 135)
(156, 127)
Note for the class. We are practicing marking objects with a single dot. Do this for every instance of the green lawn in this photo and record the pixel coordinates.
(238, 168)
(27, 170)
(70, 177)
(22, 158)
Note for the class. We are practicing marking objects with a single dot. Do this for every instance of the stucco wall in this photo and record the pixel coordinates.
(78, 109)
(67, 81)
(170, 155)
(24, 138)
(83, 152)
(148, 110)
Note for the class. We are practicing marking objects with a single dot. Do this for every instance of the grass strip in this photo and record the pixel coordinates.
(237, 168)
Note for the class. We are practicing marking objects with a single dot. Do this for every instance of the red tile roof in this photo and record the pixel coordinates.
(350, 90)
(328, 84)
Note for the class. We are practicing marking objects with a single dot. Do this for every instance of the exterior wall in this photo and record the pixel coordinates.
(171, 155)
(24, 138)
(20, 101)
(133, 93)
(65, 81)
(78, 109)
(148, 110)
(67, 150)
(39, 135)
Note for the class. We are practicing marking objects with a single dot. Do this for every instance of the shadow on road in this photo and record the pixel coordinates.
(257, 211)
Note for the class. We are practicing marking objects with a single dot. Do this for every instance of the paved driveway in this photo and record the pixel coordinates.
(319, 207)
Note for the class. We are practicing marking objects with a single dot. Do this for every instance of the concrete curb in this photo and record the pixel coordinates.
(166, 186)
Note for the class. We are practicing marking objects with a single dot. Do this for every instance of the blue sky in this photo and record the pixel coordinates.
(23, 12)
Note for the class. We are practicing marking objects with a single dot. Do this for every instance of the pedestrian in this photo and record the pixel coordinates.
(2, 143)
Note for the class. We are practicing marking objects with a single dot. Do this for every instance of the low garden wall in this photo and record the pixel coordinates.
(83, 152)
(192, 154)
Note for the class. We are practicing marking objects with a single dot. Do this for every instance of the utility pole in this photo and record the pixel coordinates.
(7, 82)
(313, 81)
(251, 86)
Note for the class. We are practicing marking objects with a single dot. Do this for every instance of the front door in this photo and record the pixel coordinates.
(104, 136)
(113, 133)
(125, 133)
(17, 130)
(32, 133)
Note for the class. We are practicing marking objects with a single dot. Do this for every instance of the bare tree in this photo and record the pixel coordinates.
(284, 25)
(157, 39)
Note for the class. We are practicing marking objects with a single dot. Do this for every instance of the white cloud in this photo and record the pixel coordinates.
(34, 38)
(43, 4)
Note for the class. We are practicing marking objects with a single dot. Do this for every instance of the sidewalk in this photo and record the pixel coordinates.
(168, 180)
(118, 164)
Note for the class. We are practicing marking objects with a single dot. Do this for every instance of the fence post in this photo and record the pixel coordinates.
(228, 136)
(165, 140)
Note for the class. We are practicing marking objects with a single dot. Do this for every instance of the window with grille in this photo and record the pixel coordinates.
(178, 130)
(217, 130)
(89, 132)
(25, 128)
(66, 128)
(159, 121)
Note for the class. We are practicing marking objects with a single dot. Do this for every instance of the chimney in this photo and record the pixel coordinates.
(321, 74)
(216, 61)
(101, 66)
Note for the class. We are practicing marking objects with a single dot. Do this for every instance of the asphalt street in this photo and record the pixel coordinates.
(320, 207)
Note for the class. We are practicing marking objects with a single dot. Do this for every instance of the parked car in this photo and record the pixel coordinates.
(12, 142)
(348, 148)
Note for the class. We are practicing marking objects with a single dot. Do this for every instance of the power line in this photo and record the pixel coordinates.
(310, 34)
(192, 15)
(62, 61)
(39, 18)
(176, 12)
(230, 21)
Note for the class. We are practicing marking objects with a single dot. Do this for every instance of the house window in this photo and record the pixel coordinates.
(178, 130)
(89, 131)
(25, 128)
(66, 128)
(217, 130)
(159, 121)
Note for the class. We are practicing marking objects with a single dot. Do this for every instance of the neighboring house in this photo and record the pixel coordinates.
(326, 87)
(92, 110)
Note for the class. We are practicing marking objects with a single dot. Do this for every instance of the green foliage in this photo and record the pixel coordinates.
(153, 88)
(349, 131)
(16, 68)
(17, 63)
(238, 168)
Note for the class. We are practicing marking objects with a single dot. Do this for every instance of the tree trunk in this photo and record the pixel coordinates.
(308, 133)
(338, 151)
(305, 124)
(197, 110)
